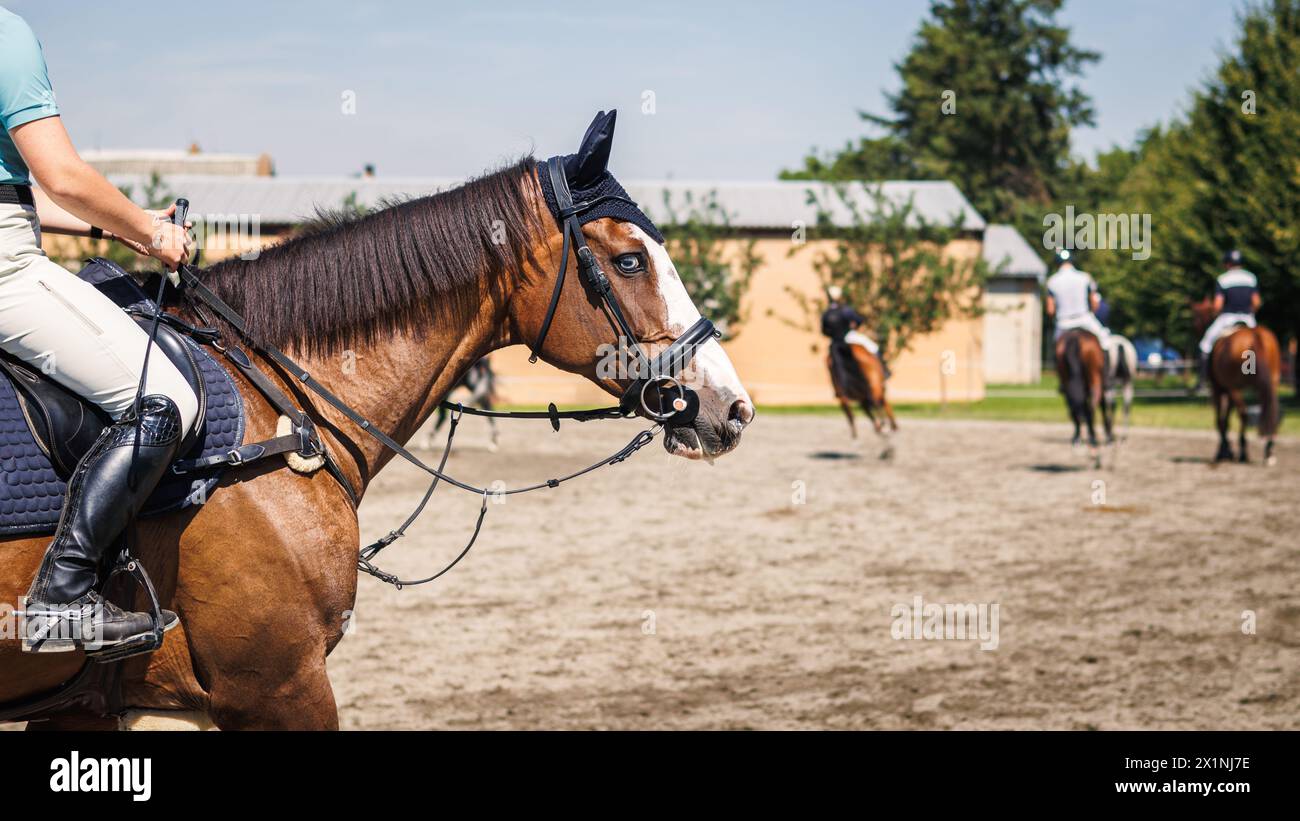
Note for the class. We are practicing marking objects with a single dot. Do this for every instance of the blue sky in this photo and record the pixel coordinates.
(741, 89)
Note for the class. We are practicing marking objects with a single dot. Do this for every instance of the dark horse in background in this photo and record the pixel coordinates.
(1081, 370)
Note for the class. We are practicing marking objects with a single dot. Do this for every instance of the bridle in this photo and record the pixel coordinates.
(652, 379)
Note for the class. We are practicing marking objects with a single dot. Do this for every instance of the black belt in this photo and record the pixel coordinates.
(16, 195)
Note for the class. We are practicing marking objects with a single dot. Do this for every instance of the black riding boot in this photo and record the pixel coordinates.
(108, 488)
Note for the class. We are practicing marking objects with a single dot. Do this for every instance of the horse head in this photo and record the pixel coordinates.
(627, 287)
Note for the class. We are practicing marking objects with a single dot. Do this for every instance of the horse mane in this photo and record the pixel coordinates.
(350, 280)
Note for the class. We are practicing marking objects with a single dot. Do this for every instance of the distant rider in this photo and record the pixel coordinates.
(1072, 299)
(1236, 299)
(842, 323)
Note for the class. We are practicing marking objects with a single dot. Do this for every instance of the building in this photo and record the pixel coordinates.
(145, 162)
(1013, 319)
(779, 353)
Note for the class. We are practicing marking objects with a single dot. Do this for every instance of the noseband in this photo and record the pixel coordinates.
(653, 379)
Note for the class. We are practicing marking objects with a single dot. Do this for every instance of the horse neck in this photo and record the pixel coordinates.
(398, 381)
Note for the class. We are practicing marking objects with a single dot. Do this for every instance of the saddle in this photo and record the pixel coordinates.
(45, 429)
(1230, 329)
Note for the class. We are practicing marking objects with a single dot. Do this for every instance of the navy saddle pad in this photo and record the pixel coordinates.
(32, 492)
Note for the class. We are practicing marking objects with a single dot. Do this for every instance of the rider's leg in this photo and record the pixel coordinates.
(1092, 324)
(78, 337)
(856, 337)
(1212, 334)
(1207, 339)
(107, 489)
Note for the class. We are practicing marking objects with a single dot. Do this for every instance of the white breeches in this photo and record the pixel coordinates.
(1221, 323)
(856, 337)
(1087, 322)
(56, 322)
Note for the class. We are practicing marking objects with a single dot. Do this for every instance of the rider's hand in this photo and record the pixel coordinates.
(139, 247)
(171, 243)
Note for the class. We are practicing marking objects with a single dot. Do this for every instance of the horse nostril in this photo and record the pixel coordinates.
(741, 411)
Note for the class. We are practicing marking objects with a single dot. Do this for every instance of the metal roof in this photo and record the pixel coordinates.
(1004, 246)
(775, 205)
(779, 204)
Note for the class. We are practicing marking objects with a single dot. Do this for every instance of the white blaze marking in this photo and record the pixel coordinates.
(711, 365)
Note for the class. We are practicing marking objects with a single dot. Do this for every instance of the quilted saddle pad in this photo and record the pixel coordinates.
(31, 492)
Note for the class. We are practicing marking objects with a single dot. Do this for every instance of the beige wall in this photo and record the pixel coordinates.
(780, 364)
(785, 365)
(1013, 331)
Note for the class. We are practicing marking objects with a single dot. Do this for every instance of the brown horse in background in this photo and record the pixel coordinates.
(866, 387)
(1081, 372)
(1241, 359)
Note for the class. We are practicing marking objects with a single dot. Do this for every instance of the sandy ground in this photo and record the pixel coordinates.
(665, 594)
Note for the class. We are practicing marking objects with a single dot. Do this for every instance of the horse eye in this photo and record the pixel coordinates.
(629, 264)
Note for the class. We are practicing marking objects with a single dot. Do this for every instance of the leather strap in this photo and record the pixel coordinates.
(206, 295)
(289, 443)
(660, 372)
(571, 228)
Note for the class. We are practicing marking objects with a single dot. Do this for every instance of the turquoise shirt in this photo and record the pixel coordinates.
(25, 91)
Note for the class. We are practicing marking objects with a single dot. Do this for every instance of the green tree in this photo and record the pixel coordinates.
(872, 159)
(987, 101)
(353, 206)
(1147, 297)
(695, 237)
(1223, 176)
(893, 266)
(1238, 155)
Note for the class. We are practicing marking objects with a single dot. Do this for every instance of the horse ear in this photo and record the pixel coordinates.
(589, 164)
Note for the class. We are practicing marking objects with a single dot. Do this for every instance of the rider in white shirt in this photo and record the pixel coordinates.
(1072, 297)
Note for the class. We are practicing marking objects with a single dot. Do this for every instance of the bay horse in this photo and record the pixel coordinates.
(866, 386)
(388, 310)
(1246, 358)
(1081, 372)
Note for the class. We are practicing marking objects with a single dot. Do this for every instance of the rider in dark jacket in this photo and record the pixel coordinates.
(839, 319)
(842, 323)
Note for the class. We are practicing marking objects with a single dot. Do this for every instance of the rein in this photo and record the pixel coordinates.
(656, 387)
(194, 288)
